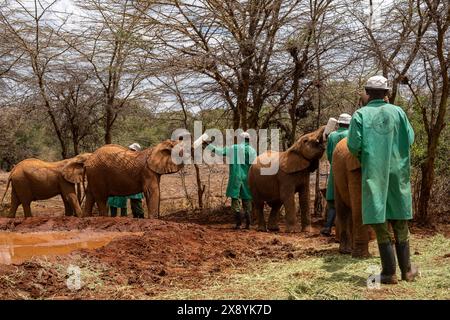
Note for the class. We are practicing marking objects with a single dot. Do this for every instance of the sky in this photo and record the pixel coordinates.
(68, 6)
(65, 6)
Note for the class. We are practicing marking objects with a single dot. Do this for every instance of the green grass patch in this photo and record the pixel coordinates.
(330, 276)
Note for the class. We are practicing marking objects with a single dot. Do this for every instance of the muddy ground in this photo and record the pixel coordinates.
(183, 250)
(168, 254)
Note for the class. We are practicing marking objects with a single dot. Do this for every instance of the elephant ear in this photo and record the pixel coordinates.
(291, 161)
(73, 170)
(160, 159)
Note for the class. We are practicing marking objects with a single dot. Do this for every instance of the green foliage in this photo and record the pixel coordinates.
(139, 127)
(24, 137)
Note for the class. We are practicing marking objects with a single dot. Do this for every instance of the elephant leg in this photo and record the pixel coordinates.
(152, 197)
(70, 198)
(15, 202)
(152, 200)
(102, 207)
(27, 209)
(254, 213)
(74, 204)
(68, 211)
(88, 204)
(289, 206)
(305, 212)
(360, 241)
(343, 225)
(360, 232)
(258, 207)
(274, 216)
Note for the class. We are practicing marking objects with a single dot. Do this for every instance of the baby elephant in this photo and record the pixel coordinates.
(353, 235)
(34, 179)
(280, 187)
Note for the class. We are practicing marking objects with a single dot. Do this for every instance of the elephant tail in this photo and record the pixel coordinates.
(7, 186)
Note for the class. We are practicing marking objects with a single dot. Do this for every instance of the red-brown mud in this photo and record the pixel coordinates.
(182, 250)
(168, 254)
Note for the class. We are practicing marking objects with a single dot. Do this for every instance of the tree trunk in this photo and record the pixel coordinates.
(394, 91)
(247, 51)
(434, 131)
(318, 195)
(243, 109)
(200, 187)
(75, 142)
(296, 97)
(108, 123)
(293, 129)
(426, 184)
(52, 117)
(59, 135)
(236, 119)
(318, 208)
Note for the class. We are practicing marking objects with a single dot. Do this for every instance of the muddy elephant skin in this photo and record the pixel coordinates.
(34, 179)
(352, 234)
(295, 166)
(114, 170)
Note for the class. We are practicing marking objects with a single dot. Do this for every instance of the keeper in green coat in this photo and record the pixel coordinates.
(380, 136)
(116, 202)
(241, 157)
(332, 140)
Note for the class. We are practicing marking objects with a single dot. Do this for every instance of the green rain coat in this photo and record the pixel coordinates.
(333, 140)
(121, 201)
(380, 136)
(118, 201)
(137, 196)
(237, 181)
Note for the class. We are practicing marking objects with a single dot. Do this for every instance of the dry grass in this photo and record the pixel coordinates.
(330, 276)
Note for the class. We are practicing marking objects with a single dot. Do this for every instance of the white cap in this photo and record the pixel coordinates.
(135, 146)
(245, 135)
(377, 82)
(344, 118)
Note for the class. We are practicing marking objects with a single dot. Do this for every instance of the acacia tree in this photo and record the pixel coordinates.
(34, 33)
(78, 106)
(8, 53)
(391, 38)
(235, 47)
(409, 44)
(179, 93)
(433, 84)
(118, 48)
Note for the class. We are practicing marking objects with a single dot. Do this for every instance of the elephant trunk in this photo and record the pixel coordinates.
(319, 134)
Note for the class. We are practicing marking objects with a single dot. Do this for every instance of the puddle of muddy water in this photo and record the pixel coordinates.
(17, 247)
